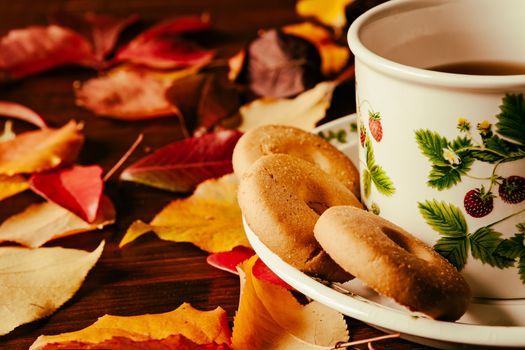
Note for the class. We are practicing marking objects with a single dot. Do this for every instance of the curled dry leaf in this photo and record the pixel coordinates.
(204, 100)
(129, 93)
(41, 150)
(42, 222)
(102, 31)
(8, 133)
(211, 218)
(36, 282)
(16, 110)
(164, 47)
(11, 185)
(269, 317)
(76, 188)
(331, 13)
(183, 328)
(303, 111)
(280, 65)
(181, 166)
(334, 57)
(36, 49)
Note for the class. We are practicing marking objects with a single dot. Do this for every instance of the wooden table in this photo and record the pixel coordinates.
(148, 275)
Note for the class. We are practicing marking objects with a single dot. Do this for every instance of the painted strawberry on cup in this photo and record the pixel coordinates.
(374, 123)
(512, 189)
(478, 202)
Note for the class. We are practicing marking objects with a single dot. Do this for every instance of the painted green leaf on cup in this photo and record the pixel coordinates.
(454, 249)
(514, 248)
(376, 173)
(512, 118)
(366, 183)
(444, 218)
(484, 243)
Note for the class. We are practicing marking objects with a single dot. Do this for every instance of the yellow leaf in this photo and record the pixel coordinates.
(269, 317)
(36, 282)
(201, 327)
(303, 111)
(331, 13)
(41, 150)
(42, 222)
(333, 57)
(11, 185)
(211, 218)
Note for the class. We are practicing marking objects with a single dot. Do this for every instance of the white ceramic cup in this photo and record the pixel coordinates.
(443, 154)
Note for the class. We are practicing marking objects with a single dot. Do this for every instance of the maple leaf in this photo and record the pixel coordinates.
(269, 317)
(303, 112)
(162, 46)
(181, 166)
(334, 57)
(331, 13)
(42, 222)
(11, 185)
(16, 110)
(204, 100)
(76, 188)
(36, 49)
(41, 150)
(211, 218)
(280, 65)
(129, 93)
(175, 328)
(36, 282)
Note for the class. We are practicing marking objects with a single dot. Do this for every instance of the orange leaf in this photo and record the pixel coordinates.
(11, 185)
(43, 222)
(211, 218)
(199, 327)
(40, 150)
(331, 13)
(333, 57)
(269, 317)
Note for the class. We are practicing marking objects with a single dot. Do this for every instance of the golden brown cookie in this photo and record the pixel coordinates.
(393, 262)
(271, 139)
(281, 198)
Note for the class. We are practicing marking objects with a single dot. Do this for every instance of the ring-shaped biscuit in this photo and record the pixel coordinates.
(393, 262)
(281, 198)
(272, 139)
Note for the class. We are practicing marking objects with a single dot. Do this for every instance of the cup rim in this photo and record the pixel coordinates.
(421, 75)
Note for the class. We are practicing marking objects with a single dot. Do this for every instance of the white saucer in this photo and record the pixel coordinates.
(487, 323)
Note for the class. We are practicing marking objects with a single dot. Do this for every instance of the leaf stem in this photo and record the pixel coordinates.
(342, 345)
(123, 158)
(506, 217)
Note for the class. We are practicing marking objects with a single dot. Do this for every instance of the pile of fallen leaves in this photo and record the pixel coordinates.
(287, 75)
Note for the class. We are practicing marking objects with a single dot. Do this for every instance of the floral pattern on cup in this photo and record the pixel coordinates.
(452, 160)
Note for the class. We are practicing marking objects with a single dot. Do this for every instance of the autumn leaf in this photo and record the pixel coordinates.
(204, 100)
(331, 13)
(76, 188)
(129, 93)
(36, 49)
(42, 222)
(41, 150)
(269, 317)
(228, 261)
(334, 57)
(11, 185)
(211, 218)
(16, 110)
(101, 31)
(36, 282)
(163, 46)
(181, 166)
(279, 65)
(263, 273)
(198, 327)
(303, 111)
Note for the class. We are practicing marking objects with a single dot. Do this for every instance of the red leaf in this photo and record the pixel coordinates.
(77, 188)
(162, 46)
(102, 31)
(228, 261)
(182, 165)
(35, 49)
(263, 273)
(16, 110)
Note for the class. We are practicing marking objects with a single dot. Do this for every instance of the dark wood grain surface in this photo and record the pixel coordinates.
(148, 275)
